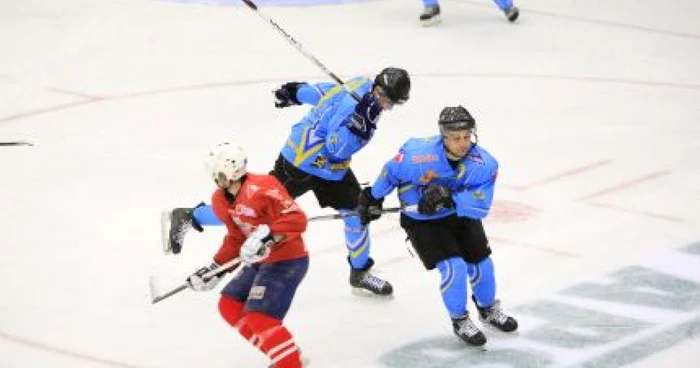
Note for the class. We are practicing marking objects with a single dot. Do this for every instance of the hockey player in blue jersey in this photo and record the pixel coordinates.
(445, 184)
(316, 157)
(431, 11)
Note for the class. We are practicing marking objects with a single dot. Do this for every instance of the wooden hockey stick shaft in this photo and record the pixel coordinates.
(300, 48)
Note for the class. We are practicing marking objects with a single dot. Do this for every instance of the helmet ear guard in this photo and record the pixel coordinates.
(226, 162)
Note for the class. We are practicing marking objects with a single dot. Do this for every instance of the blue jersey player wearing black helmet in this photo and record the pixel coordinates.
(446, 184)
(316, 157)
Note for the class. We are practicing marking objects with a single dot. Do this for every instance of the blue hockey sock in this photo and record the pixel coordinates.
(356, 240)
(453, 285)
(504, 4)
(483, 282)
(204, 215)
(430, 3)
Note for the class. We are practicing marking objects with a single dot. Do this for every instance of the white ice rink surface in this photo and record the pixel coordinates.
(592, 108)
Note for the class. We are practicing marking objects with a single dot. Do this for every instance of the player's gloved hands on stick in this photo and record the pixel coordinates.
(286, 95)
(435, 198)
(198, 282)
(368, 207)
(363, 121)
(257, 246)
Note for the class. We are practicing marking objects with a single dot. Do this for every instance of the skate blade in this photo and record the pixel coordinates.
(431, 22)
(368, 294)
(165, 232)
(489, 328)
(472, 346)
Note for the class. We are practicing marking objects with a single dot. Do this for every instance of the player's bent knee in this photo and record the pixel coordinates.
(231, 310)
(261, 323)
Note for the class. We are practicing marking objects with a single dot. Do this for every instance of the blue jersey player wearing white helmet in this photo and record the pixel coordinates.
(446, 184)
(316, 157)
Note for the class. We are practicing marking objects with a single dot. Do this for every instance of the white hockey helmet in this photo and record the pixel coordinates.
(226, 161)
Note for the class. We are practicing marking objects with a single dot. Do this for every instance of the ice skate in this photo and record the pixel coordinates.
(512, 13)
(362, 280)
(466, 330)
(494, 317)
(430, 16)
(174, 225)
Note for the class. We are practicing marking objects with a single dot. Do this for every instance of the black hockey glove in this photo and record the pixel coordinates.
(368, 207)
(286, 95)
(363, 121)
(435, 198)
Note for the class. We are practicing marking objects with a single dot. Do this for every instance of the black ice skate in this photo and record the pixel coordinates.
(362, 279)
(174, 225)
(430, 16)
(467, 331)
(512, 13)
(493, 316)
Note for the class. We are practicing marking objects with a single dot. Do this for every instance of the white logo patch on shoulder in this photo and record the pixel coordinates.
(257, 292)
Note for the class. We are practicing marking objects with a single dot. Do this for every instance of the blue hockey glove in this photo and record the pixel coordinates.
(435, 198)
(363, 121)
(286, 95)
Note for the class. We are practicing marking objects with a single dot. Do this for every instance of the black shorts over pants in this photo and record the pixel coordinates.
(339, 195)
(451, 236)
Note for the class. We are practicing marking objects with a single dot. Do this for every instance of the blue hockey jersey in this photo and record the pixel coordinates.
(422, 161)
(321, 143)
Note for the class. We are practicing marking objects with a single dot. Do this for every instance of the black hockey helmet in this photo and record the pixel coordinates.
(395, 82)
(455, 118)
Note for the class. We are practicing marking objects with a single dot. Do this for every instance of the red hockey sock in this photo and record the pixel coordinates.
(274, 340)
(232, 311)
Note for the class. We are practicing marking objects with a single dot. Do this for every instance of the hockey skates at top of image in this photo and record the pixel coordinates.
(431, 12)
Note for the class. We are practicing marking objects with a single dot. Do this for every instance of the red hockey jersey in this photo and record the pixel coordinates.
(261, 200)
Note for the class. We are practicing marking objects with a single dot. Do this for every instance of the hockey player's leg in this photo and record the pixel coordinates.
(358, 243)
(483, 283)
(453, 286)
(268, 302)
(511, 12)
(274, 340)
(232, 305)
(232, 312)
(431, 13)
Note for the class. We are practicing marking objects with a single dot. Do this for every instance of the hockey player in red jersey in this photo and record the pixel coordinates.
(264, 229)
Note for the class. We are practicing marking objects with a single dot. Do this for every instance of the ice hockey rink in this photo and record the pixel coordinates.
(591, 107)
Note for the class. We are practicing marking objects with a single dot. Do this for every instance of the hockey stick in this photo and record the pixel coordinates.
(156, 297)
(336, 216)
(17, 143)
(299, 48)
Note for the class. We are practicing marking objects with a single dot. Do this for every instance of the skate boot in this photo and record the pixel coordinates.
(467, 331)
(430, 16)
(512, 13)
(174, 225)
(362, 279)
(494, 316)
